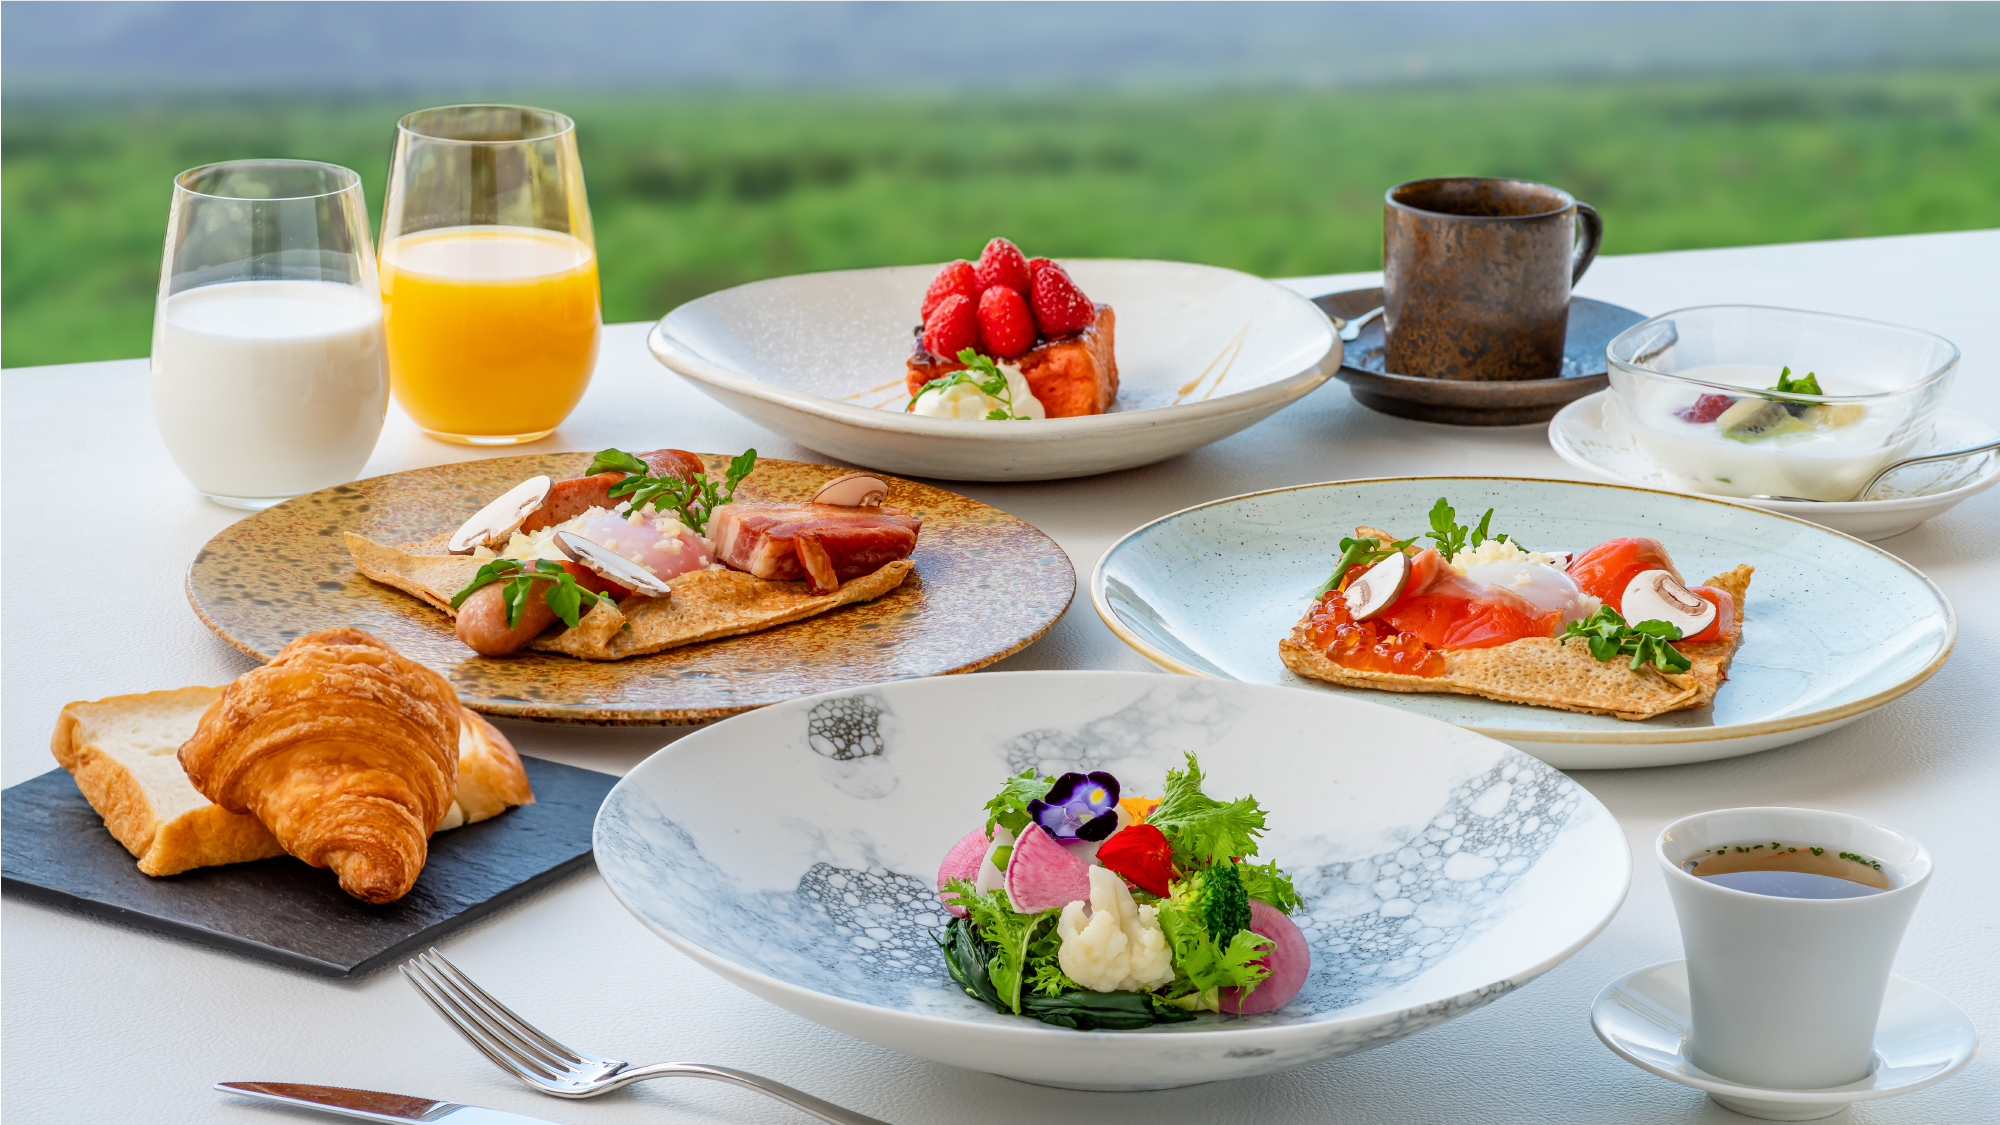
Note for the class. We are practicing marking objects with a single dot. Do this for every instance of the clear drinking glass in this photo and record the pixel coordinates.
(267, 375)
(489, 273)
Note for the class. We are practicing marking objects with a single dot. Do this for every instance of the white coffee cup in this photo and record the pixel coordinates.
(1785, 992)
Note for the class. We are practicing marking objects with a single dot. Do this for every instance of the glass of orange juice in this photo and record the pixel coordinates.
(490, 306)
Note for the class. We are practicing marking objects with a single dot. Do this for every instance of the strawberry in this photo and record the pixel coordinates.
(1001, 264)
(952, 327)
(1061, 309)
(1005, 325)
(954, 278)
(1035, 266)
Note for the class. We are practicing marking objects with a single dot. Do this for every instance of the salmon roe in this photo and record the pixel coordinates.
(1369, 646)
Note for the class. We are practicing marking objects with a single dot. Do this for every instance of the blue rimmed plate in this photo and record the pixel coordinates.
(1833, 628)
(793, 850)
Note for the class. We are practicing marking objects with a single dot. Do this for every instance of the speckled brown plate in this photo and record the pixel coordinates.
(986, 585)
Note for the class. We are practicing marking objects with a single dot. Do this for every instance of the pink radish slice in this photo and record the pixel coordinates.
(1288, 957)
(1042, 874)
(961, 862)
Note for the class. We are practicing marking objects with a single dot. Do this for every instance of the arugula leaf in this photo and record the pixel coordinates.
(981, 372)
(1609, 638)
(1358, 552)
(1203, 966)
(1268, 885)
(1010, 806)
(1809, 385)
(616, 461)
(1452, 536)
(692, 502)
(1009, 932)
(1202, 829)
(568, 599)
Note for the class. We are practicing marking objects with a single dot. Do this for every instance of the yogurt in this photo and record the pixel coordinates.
(1819, 462)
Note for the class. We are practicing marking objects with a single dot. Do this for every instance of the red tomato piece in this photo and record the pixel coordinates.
(1606, 569)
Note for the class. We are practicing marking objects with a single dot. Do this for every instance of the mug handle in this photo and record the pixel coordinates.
(1593, 235)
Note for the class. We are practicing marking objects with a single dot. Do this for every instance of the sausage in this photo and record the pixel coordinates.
(482, 620)
(571, 498)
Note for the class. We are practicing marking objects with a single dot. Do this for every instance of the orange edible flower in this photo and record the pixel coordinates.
(1139, 808)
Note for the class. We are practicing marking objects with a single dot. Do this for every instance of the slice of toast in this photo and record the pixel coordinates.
(124, 753)
(1543, 672)
(1071, 377)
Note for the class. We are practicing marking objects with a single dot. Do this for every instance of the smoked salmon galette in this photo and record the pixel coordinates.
(1011, 339)
(1613, 630)
(644, 553)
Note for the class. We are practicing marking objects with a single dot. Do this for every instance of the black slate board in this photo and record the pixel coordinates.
(55, 849)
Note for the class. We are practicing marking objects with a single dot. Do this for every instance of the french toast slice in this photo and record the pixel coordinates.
(1072, 377)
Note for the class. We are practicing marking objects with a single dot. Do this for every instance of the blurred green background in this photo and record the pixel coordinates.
(696, 190)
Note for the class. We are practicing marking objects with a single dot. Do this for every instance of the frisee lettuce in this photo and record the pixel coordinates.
(1010, 933)
(1009, 807)
(1202, 829)
(1268, 885)
(1204, 966)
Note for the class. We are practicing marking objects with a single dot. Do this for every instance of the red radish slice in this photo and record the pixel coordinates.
(1378, 587)
(961, 862)
(1288, 957)
(1043, 875)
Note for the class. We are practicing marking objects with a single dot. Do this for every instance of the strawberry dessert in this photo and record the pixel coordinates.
(1009, 338)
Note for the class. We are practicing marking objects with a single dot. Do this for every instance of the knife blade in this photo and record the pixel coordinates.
(372, 1105)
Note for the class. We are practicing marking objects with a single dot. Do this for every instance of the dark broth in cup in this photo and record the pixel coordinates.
(1790, 870)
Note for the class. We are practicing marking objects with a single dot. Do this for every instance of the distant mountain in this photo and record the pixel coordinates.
(122, 49)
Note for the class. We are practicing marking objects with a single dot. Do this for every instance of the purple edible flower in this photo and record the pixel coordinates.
(1079, 807)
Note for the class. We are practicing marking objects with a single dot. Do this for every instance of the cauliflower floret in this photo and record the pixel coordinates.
(1115, 945)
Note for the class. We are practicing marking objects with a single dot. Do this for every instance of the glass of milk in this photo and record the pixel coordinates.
(268, 377)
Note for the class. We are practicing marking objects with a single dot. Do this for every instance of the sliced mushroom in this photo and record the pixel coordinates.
(603, 563)
(855, 490)
(492, 525)
(1378, 587)
(1656, 595)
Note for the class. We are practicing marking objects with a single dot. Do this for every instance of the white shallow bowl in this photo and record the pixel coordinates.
(1202, 353)
(1588, 436)
(793, 850)
(1833, 627)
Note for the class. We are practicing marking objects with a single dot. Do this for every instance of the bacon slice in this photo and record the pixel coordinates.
(824, 544)
(577, 495)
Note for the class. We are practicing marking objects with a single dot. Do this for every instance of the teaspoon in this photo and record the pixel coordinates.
(1877, 478)
(1350, 330)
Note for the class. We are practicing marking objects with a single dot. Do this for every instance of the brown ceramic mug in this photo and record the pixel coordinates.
(1477, 274)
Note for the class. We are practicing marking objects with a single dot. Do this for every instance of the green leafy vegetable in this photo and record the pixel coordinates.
(1202, 829)
(568, 599)
(1265, 883)
(1452, 536)
(1610, 637)
(965, 957)
(1809, 385)
(692, 503)
(1204, 965)
(1010, 806)
(981, 372)
(1110, 1011)
(1010, 933)
(1358, 552)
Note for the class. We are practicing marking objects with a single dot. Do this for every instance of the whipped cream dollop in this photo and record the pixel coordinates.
(1531, 574)
(966, 400)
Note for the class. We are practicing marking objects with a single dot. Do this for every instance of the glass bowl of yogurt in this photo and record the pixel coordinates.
(1747, 400)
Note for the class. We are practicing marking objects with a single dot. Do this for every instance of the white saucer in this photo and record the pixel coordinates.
(1921, 1040)
(1584, 437)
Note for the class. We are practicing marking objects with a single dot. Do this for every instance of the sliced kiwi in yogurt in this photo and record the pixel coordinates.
(1753, 419)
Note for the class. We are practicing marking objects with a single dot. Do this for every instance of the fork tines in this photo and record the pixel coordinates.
(513, 1043)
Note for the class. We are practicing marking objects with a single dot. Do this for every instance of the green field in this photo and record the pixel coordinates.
(693, 192)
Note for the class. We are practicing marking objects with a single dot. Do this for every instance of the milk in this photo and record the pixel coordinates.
(264, 390)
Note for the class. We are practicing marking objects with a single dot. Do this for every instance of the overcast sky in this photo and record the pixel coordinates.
(122, 49)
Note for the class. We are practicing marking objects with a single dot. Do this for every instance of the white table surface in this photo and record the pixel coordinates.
(107, 1023)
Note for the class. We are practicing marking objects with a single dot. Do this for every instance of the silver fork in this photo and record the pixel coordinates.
(522, 1050)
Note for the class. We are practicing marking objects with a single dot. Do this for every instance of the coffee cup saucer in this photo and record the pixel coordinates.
(1922, 1040)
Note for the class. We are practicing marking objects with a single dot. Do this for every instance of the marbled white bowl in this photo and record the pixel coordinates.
(794, 851)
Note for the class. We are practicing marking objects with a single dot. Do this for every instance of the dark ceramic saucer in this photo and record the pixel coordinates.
(1592, 324)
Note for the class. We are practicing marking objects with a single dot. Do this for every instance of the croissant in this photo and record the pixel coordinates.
(346, 750)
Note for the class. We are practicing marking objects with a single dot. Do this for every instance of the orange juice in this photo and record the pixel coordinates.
(491, 331)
